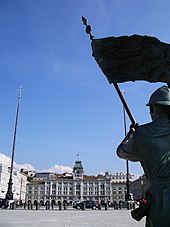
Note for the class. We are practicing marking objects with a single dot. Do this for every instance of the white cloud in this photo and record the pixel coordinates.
(25, 166)
(54, 169)
(5, 160)
(57, 169)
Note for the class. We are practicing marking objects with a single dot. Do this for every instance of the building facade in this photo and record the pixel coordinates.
(76, 186)
(139, 187)
(19, 181)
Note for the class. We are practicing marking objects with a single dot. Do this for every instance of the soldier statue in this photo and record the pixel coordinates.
(150, 145)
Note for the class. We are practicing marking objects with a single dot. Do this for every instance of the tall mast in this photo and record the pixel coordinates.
(9, 194)
(127, 162)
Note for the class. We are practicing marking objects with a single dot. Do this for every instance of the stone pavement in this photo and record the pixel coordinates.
(68, 218)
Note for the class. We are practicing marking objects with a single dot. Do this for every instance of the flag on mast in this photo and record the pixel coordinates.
(131, 58)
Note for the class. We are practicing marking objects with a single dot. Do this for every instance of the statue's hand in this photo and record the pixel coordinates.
(133, 127)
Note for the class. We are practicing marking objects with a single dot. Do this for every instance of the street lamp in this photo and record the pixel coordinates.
(127, 162)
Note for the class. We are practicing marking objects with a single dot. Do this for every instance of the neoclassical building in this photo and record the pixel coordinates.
(76, 186)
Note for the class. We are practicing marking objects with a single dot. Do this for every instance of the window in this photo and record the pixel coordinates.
(102, 186)
(90, 192)
(102, 193)
(108, 188)
(85, 190)
(77, 187)
(65, 191)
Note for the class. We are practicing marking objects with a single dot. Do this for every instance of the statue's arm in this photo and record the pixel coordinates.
(128, 149)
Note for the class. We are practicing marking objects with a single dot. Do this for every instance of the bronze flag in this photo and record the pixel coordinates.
(131, 58)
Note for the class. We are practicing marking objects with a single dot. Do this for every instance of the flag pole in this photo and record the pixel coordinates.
(9, 194)
(126, 107)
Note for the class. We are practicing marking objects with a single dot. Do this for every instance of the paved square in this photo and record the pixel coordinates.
(68, 218)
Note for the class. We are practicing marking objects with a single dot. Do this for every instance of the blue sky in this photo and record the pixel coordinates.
(67, 106)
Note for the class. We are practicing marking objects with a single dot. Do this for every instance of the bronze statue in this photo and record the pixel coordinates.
(131, 58)
(150, 145)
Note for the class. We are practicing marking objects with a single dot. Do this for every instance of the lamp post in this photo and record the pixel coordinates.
(20, 199)
(9, 194)
(127, 162)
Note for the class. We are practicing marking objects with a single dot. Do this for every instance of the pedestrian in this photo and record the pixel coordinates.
(150, 145)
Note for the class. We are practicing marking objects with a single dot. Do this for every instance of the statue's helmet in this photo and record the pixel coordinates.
(161, 96)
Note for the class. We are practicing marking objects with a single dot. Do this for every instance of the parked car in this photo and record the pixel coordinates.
(87, 204)
(4, 203)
